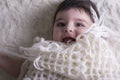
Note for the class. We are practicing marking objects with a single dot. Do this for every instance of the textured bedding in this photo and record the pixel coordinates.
(89, 58)
(22, 20)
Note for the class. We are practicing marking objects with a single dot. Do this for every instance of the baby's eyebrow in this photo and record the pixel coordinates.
(59, 19)
(62, 19)
(81, 20)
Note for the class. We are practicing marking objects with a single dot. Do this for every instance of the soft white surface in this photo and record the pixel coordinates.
(90, 58)
(22, 20)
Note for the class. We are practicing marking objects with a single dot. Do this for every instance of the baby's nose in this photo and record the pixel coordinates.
(69, 29)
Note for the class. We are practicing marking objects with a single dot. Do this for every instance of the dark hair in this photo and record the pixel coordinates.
(85, 4)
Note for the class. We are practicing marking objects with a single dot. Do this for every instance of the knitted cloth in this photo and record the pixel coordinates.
(89, 58)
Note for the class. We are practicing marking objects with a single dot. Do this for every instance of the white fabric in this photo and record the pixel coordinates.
(91, 57)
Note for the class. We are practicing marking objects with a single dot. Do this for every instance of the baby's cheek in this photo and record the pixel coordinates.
(78, 33)
(57, 37)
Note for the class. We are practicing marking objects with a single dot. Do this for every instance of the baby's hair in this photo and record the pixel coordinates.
(79, 4)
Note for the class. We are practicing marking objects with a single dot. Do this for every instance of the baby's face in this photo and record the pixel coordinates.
(69, 24)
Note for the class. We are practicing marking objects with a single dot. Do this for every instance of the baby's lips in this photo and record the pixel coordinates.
(68, 40)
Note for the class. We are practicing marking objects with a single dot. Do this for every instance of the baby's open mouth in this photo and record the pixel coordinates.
(68, 40)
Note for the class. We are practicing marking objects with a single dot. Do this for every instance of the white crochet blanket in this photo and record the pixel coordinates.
(91, 57)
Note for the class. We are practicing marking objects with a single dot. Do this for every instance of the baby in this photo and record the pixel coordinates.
(79, 50)
(84, 54)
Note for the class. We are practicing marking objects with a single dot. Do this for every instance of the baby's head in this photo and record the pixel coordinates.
(72, 18)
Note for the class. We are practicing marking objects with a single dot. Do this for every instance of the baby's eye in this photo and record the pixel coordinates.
(79, 25)
(60, 24)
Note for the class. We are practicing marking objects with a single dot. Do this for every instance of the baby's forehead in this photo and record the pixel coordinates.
(73, 10)
(73, 13)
